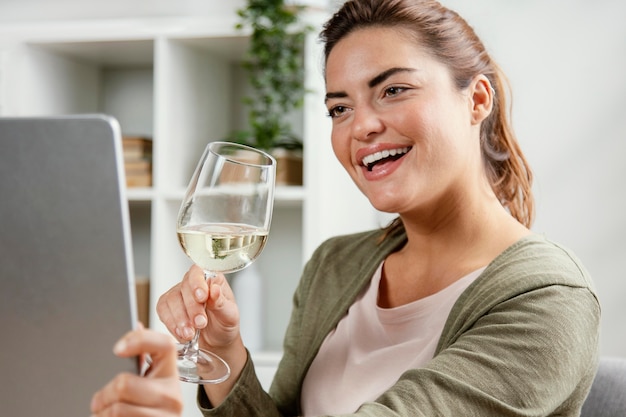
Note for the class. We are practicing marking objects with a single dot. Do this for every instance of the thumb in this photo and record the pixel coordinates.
(158, 346)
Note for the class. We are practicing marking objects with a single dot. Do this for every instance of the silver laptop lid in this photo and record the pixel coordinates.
(66, 274)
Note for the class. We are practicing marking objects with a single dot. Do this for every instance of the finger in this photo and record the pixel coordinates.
(220, 293)
(129, 410)
(222, 305)
(172, 312)
(160, 347)
(121, 409)
(132, 389)
(194, 294)
(129, 394)
(195, 282)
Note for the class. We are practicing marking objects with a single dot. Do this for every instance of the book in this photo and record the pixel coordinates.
(136, 147)
(137, 160)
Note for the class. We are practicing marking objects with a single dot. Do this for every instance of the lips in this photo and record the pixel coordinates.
(369, 161)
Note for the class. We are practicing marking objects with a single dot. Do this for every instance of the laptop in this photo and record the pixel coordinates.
(66, 273)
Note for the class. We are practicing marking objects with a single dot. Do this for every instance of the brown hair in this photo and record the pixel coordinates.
(451, 40)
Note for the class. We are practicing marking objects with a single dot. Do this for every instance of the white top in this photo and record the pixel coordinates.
(371, 347)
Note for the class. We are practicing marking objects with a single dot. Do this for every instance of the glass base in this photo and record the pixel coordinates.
(201, 366)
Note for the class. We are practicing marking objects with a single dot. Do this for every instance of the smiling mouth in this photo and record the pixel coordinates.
(384, 156)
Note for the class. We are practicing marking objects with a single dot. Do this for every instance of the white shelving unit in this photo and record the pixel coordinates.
(178, 80)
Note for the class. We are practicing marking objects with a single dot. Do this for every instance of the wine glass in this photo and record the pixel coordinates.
(222, 226)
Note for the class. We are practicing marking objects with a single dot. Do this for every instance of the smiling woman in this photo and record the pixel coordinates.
(419, 123)
(456, 307)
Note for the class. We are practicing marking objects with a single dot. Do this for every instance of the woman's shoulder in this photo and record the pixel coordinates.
(536, 256)
(532, 271)
(533, 262)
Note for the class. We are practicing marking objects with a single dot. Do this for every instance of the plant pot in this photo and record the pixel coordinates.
(288, 166)
(232, 173)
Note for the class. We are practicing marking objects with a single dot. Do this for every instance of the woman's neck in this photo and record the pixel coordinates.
(437, 254)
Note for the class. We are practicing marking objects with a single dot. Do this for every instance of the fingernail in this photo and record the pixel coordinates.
(200, 320)
(120, 346)
(200, 294)
(188, 332)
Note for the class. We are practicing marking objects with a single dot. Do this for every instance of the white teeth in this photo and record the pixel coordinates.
(370, 159)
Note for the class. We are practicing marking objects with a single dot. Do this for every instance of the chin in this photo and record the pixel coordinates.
(384, 205)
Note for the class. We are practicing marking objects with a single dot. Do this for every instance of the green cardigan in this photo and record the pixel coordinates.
(521, 340)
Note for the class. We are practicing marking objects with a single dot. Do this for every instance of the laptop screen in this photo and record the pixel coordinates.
(66, 280)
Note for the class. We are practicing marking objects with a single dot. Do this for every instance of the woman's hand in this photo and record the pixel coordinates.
(196, 303)
(156, 393)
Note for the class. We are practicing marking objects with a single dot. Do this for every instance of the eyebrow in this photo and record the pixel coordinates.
(373, 82)
(386, 74)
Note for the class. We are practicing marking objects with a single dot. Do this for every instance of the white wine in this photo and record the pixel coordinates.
(222, 247)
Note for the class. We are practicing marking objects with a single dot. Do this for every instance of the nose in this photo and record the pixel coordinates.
(366, 123)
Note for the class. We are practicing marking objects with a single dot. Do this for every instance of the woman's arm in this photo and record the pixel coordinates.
(532, 355)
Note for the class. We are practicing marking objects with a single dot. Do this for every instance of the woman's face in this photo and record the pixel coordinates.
(405, 134)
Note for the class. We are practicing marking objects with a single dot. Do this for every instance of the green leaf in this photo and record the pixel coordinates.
(274, 64)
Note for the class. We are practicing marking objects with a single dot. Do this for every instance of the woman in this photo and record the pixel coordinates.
(456, 308)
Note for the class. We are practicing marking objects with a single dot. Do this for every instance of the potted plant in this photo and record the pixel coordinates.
(275, 68)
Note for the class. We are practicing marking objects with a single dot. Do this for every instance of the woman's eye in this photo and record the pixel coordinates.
(336, 111)
(393, 91)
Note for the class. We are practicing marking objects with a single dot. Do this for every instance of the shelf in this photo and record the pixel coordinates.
(179, 82)
(285, 195)
(110, 54)
(289, 194)
(139, 194)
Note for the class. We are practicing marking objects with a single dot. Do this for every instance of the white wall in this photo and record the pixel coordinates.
(566, 61)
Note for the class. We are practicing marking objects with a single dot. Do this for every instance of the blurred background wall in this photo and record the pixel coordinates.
(566, 61)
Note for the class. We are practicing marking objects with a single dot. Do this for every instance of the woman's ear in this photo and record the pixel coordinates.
(481, 98)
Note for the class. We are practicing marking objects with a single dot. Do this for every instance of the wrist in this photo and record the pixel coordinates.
(236, 356)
